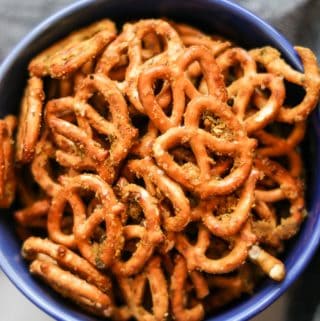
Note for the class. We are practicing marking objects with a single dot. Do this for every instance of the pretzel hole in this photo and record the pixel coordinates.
(129, 248)
(294, 94)
(217, 248)
(282, 209)
(147, 297)
(191, 232)
(182, 155)
(233, 73)
(141, 123)
(135, 213)
(152, 44)
(98, 102)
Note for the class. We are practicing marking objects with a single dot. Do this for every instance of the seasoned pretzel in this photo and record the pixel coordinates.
(34, 215)
(103, 252)
(120, 133)
(179, 294)
(29, 120)
(241, 92)
(153, 175)
(133, 289)
(309, 80)
(7, 173)
(73, 51)
(200, 180)
(289, 188)
(230, 222)
(129, 45)
(196, 258)
(148, 231)
(69, 274)
(273, 145)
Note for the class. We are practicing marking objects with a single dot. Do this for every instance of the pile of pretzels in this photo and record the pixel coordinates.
(157, 169)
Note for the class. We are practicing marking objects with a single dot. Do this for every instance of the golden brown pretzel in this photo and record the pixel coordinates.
(232, 218)
(195, 254)
(133, 289)
(289, 189)
(179, 293)
(73, 51)
(7, 172)
(69, 274)
(119, 132)
(309, 80)
(158, 183)
(241, 91)
(29, 120)
(103, 251)
(198, 178)
(148, 231)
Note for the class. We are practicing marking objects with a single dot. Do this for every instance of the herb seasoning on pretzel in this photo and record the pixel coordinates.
(157, 168)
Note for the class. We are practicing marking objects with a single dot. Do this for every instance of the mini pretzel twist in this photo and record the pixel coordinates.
(195, 254)
(148, 231)
(153, 175)
(102, 252)
(179, 293)
(133, 289)
(200, 141)
(309, 80)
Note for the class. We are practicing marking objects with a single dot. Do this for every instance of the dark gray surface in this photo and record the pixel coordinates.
(298, 20)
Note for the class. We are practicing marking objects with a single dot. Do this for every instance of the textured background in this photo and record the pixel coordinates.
(298, 20)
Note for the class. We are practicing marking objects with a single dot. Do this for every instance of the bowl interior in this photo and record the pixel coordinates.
(219, 17)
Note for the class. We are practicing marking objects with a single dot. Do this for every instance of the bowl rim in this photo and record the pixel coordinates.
(272, 290)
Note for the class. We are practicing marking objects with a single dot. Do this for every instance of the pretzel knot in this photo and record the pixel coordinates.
(309, 80)
(70, 275)
(179, 293)
(235, 144)
(99, 250)
(148, 230)
(196, 253)
(128, 47)
(160, 185)
(7, 173)
(289, 189)
(241, 92)
(134, 288)
(234, 215)
(119, 131)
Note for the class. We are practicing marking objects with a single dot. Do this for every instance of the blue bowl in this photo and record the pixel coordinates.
(214, 16)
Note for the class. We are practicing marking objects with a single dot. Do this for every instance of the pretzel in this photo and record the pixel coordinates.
(232, 219)
(7, 173)
(120, 133)
(196, 258)
(133, 289)
(29, 120)
(73, 51)
(153, 175)
(226, 288)
(290, 189)
(179, 294)
(200, 180)
(273, 145)
(148, 231)
(129, 43)
(34, 215)
(309, 80)
(69, 274)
